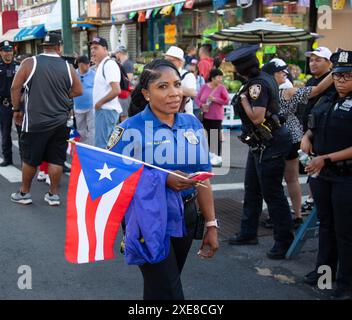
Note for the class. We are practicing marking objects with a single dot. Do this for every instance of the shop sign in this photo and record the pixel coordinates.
(34, 16)
(170, 33)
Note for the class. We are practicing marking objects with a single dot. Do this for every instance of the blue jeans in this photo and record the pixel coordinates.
(105, 122)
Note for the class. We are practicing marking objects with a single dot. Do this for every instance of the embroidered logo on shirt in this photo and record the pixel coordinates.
(254, 91)
(191, 137)
(115, 137)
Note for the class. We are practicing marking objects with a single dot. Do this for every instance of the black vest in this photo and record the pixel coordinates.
(7, 73)
(273, 104)
(332, 124)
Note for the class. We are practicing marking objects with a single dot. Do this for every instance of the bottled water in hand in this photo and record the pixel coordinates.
(304, 158)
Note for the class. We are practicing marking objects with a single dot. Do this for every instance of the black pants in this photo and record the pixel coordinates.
(214, 126)
(263, 180)
(333, 200)
(6, 126)
(162, 281)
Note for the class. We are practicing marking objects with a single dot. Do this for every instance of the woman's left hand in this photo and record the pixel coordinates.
(211, 98)
(210, 243)
(315, 165)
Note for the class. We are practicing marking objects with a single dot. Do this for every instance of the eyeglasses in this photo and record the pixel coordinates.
(346, 76)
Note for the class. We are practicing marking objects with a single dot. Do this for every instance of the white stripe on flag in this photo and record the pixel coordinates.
(81, 202)
(103, 212)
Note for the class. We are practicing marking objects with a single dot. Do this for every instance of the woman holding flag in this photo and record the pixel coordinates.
(161, 136)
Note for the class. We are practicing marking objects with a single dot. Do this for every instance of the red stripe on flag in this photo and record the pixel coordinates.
(71, 246)
(91, 210)
(118, 211)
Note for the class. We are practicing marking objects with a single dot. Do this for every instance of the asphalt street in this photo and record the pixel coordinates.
(33, 237)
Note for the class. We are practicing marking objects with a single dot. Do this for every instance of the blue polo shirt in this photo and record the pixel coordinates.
(85, 101)
(180, 147)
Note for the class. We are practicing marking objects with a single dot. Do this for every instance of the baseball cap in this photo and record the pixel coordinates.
(83, 59)
(6, 45)
(175, 52)
(275, 65)
(121, 49)
(52, 39)
(322, 52)
(100, 41)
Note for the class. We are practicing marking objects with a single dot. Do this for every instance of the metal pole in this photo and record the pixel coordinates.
(66, 27)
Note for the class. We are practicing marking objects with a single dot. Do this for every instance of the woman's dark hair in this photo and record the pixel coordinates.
(248, 68)
(151, 72)
(214, 73)
(217, 62)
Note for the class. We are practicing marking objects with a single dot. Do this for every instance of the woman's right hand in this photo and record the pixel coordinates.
(306, 145)
(177, 183)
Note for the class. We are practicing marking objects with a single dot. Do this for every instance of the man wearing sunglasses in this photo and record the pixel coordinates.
(330, 138)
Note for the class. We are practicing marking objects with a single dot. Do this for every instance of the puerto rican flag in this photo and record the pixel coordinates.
(74, 136)
(101, 187)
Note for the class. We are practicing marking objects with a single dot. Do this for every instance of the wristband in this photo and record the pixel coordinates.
(212, 223)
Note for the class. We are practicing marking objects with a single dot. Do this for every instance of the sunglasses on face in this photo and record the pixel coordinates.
(346, 76)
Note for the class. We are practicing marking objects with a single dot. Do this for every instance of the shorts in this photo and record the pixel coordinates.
(293, 154)
(49, 146)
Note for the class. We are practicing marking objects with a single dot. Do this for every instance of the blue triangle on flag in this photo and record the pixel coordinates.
(103, 171)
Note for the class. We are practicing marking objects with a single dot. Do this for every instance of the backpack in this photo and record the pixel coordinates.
(125, 82)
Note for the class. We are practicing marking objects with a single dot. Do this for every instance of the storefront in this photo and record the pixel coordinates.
(291, 13)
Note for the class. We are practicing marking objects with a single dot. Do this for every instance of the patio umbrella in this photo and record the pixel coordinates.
(114, 38)
(263, 30)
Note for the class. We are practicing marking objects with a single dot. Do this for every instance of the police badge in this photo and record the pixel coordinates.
(115, 137)
(254, 91)
(191, 137)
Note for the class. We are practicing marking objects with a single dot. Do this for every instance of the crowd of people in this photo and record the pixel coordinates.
(185, 92)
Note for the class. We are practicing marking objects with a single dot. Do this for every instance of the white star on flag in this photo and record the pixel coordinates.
(105, 172)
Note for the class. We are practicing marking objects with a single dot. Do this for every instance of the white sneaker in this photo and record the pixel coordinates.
(47, 180)
(216, 161)
(41, 176)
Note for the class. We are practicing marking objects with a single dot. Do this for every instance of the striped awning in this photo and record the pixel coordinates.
(9, 35)
(119, 7)
(263, 30)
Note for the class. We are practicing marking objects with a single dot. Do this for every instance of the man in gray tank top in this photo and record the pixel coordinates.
(49, 84)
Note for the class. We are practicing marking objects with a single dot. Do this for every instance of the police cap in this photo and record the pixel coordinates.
(6, 45)
(341, 61)
(242, 54)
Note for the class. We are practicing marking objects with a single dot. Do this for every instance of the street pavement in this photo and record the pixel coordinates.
(34, 236)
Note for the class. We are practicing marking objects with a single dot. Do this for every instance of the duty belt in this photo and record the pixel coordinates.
(343, 167)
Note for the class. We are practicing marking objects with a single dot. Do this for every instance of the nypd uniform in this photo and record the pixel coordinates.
(7, 73)
(182, 147)
(265, 166)
(331, 125)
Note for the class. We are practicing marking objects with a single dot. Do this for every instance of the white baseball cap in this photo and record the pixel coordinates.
(322, 52)
(175, 52)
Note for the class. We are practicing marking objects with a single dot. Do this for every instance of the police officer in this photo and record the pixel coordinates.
(330, 139)
(269, 143)
(174, 141)
(8, 68)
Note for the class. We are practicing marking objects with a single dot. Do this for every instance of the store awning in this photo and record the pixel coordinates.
(9, 35)
(118, 6)
(36, 32)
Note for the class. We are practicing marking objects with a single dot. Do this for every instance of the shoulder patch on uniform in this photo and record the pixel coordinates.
(115, 137)
(254, 91)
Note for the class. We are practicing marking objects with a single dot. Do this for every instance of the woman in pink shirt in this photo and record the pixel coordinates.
(211, 98)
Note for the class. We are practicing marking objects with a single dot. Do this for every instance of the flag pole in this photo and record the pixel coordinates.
(133, 160)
